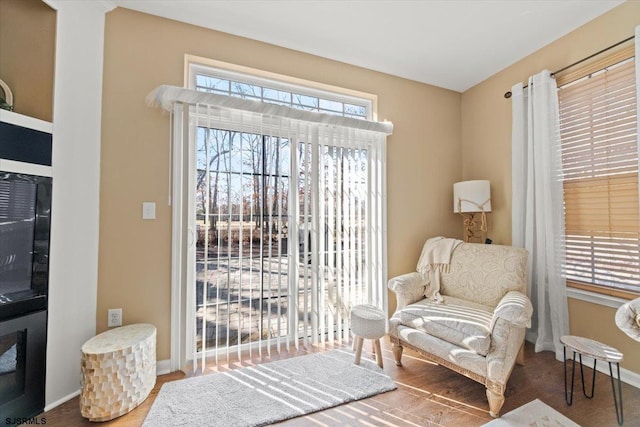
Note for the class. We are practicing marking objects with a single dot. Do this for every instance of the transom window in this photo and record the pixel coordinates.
(226, 82)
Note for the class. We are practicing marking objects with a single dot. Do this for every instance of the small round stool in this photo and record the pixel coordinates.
(368, 322)
(597, 351)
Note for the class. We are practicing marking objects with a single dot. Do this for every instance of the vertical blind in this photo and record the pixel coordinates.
(289, 219)
(598, 131)
(292, 213)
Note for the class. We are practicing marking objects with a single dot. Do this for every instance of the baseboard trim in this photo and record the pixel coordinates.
(62, 400)
(163, 367)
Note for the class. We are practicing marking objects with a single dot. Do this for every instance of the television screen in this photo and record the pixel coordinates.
(25, 206)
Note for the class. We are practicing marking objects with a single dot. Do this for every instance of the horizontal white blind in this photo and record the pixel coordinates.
(17, 201)
(598, 130)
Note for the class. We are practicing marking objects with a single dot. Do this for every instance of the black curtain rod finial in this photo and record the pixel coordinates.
(507, 94)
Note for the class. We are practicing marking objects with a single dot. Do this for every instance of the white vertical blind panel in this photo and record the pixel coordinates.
(294, 239)
(205, 266)
(332, 200)
(322, 242)
(317, 235)
(188, 139)
(324, 184)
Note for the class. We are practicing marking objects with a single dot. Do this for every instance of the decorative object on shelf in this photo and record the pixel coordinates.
(469, 199)
(6, 100)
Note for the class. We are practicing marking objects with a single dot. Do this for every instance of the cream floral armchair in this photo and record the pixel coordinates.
(478, 327)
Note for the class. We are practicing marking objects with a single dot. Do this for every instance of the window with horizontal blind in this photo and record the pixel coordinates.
(598, 131)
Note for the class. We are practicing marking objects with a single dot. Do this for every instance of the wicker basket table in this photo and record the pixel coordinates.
(118, 371)
(368, 322)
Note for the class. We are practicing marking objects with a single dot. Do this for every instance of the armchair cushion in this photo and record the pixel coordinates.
(463, 323)
(515, 308)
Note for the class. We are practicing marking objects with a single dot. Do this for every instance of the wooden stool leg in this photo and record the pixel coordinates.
(378, 352)
(397, 352)
(358, 343)
(520, 356)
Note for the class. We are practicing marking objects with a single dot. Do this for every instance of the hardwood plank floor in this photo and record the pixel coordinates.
(427, 395)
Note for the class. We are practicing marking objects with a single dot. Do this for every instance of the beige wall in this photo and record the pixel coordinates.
(486, 144)
(142, 52)
(27, 54)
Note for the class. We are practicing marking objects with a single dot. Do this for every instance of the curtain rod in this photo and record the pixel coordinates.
(164, 96)
(508, 94)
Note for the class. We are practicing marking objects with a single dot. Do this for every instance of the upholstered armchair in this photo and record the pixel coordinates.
(477, 324)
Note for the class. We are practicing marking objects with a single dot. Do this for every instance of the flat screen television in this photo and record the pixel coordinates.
(25, 210)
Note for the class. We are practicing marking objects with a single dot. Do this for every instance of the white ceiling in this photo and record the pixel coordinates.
(453, 44)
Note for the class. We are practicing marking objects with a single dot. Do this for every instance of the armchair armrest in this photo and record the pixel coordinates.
(515, 308)
(506, 341)
(408, 288)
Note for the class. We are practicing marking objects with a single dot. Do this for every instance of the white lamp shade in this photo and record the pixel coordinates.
(472, 196)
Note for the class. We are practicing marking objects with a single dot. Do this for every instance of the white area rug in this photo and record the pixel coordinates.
(267, 393)
(534, 414)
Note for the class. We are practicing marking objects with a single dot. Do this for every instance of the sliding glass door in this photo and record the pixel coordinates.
(283, 233)
(242, 222)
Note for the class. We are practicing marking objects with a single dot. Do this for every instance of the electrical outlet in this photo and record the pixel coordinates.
(114, 317)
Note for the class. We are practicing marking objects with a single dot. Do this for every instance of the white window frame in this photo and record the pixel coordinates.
(580, 293)
(180, 162)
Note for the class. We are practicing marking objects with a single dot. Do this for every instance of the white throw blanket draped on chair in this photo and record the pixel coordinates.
(434, 260)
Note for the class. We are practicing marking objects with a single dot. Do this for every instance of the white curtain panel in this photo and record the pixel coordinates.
(537, 215)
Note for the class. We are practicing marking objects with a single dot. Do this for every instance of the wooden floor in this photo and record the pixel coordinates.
(427, 395)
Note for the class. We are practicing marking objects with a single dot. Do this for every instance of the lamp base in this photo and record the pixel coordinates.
(472, 230)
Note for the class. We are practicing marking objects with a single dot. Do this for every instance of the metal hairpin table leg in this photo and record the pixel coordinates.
(568, 398)
(619, 414)
(593, 379)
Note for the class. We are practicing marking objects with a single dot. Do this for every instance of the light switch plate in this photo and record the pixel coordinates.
(148, 210)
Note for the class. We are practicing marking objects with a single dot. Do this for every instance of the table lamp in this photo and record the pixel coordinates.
(469, 199)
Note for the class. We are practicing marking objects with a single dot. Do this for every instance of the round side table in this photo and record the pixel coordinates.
(118, 371)
(368, 322)
(598, 351)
